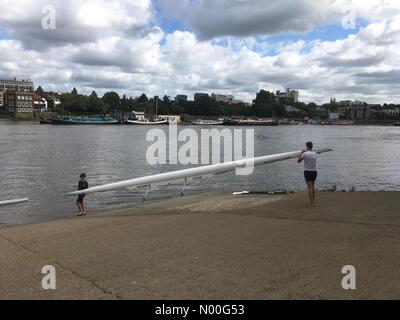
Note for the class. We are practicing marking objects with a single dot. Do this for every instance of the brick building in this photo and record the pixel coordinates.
(16, 97)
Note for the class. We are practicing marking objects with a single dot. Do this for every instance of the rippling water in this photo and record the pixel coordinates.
(44, 162)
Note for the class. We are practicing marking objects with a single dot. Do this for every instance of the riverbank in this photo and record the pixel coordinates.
(12, 118)
(213, 246)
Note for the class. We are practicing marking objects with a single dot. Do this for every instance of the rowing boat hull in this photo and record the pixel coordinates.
(6, 202)
(197, 173)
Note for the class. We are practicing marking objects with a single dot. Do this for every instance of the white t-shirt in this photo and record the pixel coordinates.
(310, 161)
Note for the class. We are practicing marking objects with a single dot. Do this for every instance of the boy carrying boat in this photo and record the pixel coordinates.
(310, 170)
(82, 185)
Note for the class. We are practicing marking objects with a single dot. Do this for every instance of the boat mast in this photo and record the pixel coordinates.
(157, 107)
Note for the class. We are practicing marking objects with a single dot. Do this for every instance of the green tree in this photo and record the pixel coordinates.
(96, 105)
(112, 100)
(263, 110)
(143, 98)
(265, 97)
(50, 103)
(39, 90)
(266, 105)
(166, 100)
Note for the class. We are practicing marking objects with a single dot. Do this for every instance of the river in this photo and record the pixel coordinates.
(43, 162)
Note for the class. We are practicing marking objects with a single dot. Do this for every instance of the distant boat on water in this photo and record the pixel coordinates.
(147, 122)
(83, 120)
(208, 122)
(251, 122)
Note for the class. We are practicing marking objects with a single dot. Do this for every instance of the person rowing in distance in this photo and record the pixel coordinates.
(310, 170)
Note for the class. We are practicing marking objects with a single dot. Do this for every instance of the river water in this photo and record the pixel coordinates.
(43, 162)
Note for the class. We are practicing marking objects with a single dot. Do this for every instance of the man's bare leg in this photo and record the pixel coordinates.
(314, 192)
(311, 192)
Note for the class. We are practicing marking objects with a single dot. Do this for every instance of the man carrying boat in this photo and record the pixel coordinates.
(310, 170)
(82, 185)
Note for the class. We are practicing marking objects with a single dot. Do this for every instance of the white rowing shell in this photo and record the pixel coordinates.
(13, 201)
(195, 173)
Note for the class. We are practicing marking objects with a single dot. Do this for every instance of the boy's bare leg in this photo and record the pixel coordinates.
(79, 205)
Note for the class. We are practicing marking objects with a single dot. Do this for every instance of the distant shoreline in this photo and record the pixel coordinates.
(5, 118)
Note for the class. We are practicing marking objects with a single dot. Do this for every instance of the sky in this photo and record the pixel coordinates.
(347, 49)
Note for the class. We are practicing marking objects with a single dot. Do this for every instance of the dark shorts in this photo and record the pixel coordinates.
(311, 176)
(80, 198)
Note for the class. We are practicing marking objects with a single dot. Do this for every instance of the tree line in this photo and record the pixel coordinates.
(266, 105)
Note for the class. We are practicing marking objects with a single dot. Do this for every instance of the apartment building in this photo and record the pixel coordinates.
(199, 96)
(19, 102)
(17, 97)
(181, 98)
(2, 101)
(223, 98)
(293, 95)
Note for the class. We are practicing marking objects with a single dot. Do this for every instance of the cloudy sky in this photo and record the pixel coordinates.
(348, 49)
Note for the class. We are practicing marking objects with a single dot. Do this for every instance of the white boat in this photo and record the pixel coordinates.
(2, 203)
(208, 122)
(193, 174)
(147, 122)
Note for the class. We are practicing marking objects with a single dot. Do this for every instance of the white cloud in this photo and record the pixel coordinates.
(173, 8)
(211, 18)
(114, 45)
(76, 21)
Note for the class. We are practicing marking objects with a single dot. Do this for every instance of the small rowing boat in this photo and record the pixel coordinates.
(194, 174)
